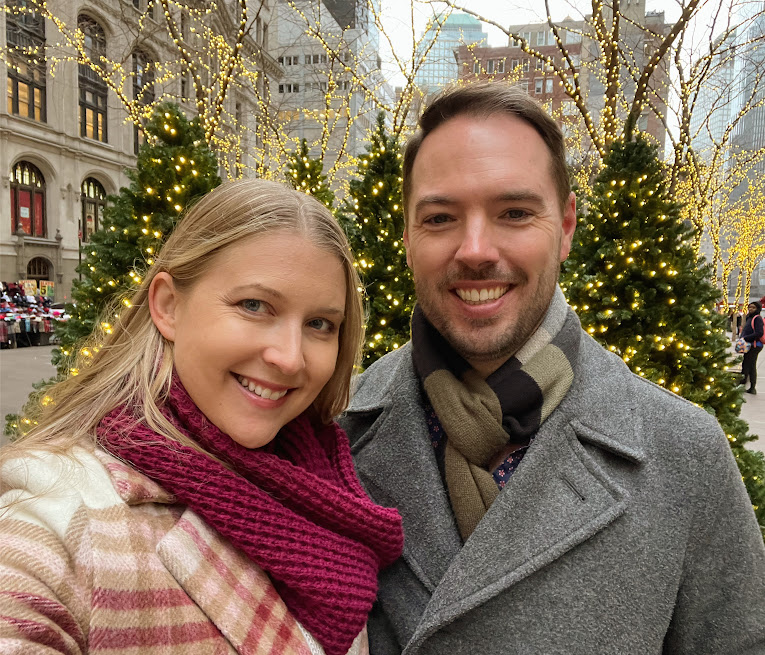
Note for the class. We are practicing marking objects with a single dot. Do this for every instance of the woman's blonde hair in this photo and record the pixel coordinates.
(133, 364)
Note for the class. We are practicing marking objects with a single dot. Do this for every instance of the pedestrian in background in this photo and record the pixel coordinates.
(752, 332)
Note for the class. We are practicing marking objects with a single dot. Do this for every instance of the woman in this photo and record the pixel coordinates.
(188, 492)
(752, 331)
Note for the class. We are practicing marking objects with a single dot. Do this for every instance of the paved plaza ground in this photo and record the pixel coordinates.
(20, 367)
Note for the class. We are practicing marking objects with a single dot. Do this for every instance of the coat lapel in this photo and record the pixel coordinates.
(397, 465)
(235, 594)
(558, 498)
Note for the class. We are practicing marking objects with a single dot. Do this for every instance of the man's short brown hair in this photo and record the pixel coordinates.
(481, 100)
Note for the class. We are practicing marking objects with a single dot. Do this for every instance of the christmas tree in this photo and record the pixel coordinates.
(305, 174)
(638, 288)
(174, 168)
(373, 219)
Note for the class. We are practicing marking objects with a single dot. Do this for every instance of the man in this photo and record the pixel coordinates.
(552, 501)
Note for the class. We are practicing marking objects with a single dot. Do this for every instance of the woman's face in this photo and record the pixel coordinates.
(256, 338)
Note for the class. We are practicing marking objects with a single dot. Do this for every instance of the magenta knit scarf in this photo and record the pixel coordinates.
(294, 507)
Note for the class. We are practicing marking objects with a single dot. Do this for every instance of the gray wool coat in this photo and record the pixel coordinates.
(625, 530)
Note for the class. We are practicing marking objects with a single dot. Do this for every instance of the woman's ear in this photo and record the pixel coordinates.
(163, 304)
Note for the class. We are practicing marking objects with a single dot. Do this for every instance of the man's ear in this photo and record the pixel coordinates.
(406, 246)
(163, 304)
(569, 226)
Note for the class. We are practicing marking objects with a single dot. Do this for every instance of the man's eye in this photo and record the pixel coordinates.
(252, 305)
(438, 219)
(516, 214)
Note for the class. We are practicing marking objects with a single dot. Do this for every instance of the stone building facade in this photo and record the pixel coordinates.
(65, 138)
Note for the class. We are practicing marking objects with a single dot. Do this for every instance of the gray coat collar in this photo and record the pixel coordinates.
(559, 497)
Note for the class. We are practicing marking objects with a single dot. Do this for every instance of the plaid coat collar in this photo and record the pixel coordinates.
(236, 595)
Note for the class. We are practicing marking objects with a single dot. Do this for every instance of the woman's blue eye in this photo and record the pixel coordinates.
(252, 305)
(321, 324)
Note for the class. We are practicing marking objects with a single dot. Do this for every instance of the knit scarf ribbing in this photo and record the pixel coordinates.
(481, 417)
(295, 508)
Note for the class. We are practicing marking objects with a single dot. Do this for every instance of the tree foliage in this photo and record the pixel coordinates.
(638, 288)
(373, 219)
(306, 174)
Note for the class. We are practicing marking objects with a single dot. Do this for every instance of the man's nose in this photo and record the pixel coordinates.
(285, 350)
(478, 247)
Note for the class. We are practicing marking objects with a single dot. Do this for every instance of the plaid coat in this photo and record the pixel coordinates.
(101, 560)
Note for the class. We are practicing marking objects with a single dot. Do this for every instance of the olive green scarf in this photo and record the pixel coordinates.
(482, 417)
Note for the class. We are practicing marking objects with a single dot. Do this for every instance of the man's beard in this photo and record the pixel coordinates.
(475, 347)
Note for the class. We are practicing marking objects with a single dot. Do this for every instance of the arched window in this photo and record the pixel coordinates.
(93, 89)
(25, 38)
(28, 200)
(38, 268)
(143, 88)
(93, 203)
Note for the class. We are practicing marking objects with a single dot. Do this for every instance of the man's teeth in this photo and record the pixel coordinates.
(263, 392)
(473, 296)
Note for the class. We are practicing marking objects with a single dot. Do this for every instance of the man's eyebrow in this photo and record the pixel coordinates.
(520, 196)
(434, 199)
(508, 196)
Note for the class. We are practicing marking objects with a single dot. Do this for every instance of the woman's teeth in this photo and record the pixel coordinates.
(473, 296)
(263, 392)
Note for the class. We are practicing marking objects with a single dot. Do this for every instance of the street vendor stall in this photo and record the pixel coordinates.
(26, 319)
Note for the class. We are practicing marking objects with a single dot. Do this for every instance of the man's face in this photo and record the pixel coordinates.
(486, 234)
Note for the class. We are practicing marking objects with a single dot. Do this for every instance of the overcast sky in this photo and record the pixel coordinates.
(397, 16)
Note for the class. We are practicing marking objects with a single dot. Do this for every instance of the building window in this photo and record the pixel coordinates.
(93, 203)
(490, 66)
(548, 86)
(515, 63)
(539, 65)
(500, 65)
(476, 67)
(525, 85)
(25, 38)
(573, 37)
(143, 89)
(541, 38)
(38, 269)
(538, 86)
(93, 90)
(28, 200)
(525, 65)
